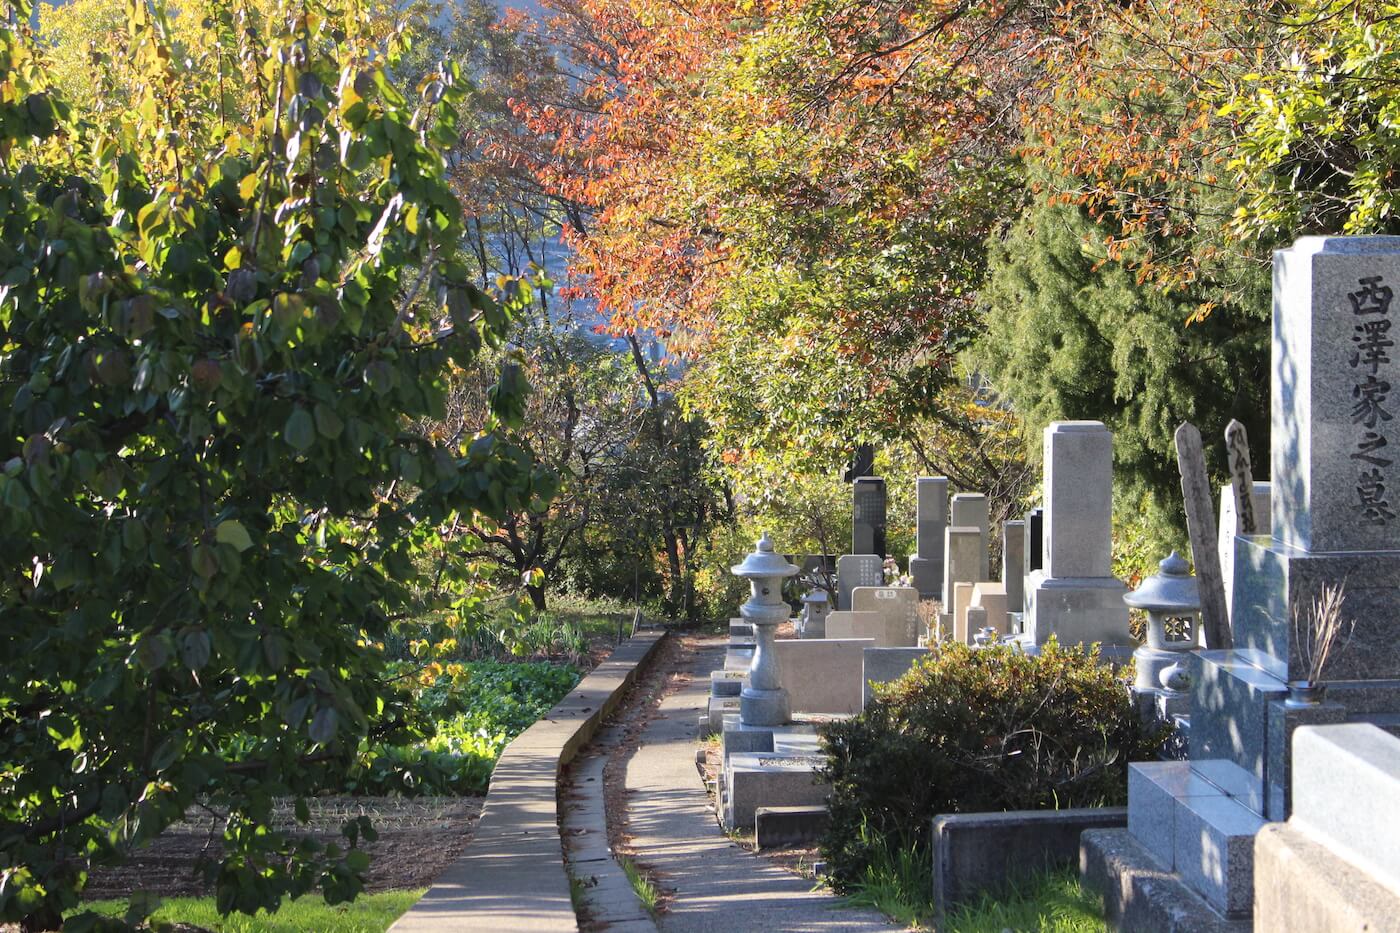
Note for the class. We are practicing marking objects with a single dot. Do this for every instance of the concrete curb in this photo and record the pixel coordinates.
(511, 877)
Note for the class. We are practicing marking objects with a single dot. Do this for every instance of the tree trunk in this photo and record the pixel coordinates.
(537, 597)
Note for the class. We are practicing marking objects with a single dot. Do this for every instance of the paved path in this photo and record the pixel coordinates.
(718, 885)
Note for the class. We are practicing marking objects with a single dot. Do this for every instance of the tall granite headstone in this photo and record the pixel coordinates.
(1075, 596)
(1013, 558)
(868, 516)
(926, 566)
(1335, 521)
(971, 510)
(1035, 547)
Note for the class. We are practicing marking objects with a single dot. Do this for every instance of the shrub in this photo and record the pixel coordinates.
(976, 730)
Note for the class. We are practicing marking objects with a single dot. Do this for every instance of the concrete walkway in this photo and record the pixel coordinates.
(718, 885)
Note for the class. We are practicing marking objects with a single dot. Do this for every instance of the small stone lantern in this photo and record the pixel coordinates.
(815, 608)
(1170, 595)
(763, 701)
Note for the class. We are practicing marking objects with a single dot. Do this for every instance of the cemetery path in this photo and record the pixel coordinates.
(716, 885)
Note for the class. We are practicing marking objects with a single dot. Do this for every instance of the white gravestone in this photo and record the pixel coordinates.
(964, 559)
(1075, 596)
(899, 608)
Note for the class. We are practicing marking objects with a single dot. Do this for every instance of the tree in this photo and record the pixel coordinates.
(219, 319)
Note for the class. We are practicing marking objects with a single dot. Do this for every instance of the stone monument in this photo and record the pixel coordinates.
(1035, 544)
(1075, 596)
(868, 516)
(971, 510)
(853, 570)
(926, 566)
(1013, 560)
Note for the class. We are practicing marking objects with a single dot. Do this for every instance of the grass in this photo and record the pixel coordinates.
(1053, 902)
(897, 884)
(642, 886)
(369, 913)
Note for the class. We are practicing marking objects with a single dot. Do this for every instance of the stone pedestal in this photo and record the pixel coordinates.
(926, 566)
(1075, 596)
(868, 516)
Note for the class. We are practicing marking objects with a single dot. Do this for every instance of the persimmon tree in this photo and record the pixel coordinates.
(220, 318)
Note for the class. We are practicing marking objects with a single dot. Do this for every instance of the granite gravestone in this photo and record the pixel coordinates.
(868, 516)
(1013, 560)
(964, 561)
(926, 566)
(1035, 546)
(898, 608)
(853, 570)
(1075, 596)
(971, 510)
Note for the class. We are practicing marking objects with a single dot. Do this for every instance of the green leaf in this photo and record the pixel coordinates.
(194, 648)
(300, 430)
(323, 725)
(328, 423)
(232, 532)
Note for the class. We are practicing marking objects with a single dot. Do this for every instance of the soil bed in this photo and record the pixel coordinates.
(418, 838)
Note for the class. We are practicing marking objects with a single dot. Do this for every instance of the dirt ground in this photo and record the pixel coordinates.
(417, 839)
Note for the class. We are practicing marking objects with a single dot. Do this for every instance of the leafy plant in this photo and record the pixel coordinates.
(969, 730)
(223, 305)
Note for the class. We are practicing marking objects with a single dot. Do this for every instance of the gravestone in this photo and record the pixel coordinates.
(971, 510)
(1075, 596)
(926, 566)
(1013, 559)
(868, 516)
(853, 570)
(1334, 522)
(1035, 547)
(898, 607)
(964, 560)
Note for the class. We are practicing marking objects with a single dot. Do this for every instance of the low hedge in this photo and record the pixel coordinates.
(975, 730)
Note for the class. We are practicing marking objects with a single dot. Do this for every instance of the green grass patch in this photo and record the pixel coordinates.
(368, 913)
(896, 882)
(642, 886)
(1053, 902)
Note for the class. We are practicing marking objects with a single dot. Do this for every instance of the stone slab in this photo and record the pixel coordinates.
(1230, 698)
(1303, 886)
(1076, 611)
(975, 853)
(1141, 895)
(769, 780)
(1214, 843)
(780, 827)
(970, 510)
(727, 683)
(1013, 562)
(823, 675)
(882, 665)
(1284, 720)
(1346, 794)
(1154, 787)
(868, 516)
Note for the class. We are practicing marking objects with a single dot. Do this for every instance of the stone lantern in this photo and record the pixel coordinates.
(1171, 595)
(815, 608)
(763, 701)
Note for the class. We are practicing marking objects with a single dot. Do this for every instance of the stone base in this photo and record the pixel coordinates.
(1305, 887)
(737, 738)
(727, 683)
(1139, 894)
(1076, 610)
(1194, 826)
(927, 575)
(769, 780)
(1272, 581)
(721, 707)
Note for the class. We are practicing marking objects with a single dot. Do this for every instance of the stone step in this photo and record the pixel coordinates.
(1185, 815)
(726, 683)
(777, 827)
(1141, 894)
(721, 707)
